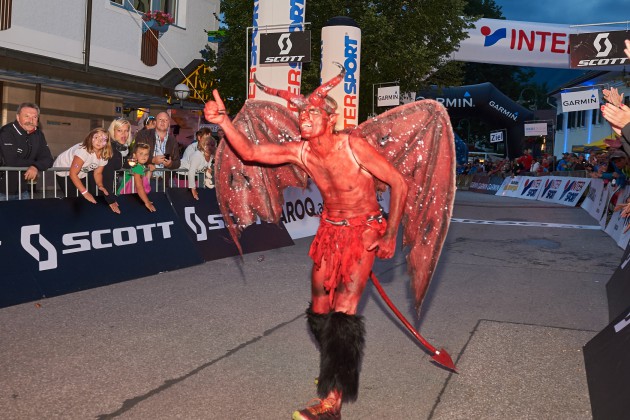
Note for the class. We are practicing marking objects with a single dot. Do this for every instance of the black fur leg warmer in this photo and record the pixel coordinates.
(341, 342)
(316, 323)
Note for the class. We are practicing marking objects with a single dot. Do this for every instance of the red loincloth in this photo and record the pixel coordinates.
(341, 246)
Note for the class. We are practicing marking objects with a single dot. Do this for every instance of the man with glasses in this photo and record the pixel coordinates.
(22, 145)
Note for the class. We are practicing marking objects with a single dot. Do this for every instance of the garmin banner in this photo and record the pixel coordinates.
(388, 96)
(598, 49)
(61, 246)
(206, 228)
(285, 47)
(580, 100)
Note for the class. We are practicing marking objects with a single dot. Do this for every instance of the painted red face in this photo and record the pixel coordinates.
(313, 122)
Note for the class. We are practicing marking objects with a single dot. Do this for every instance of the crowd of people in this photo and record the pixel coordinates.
(108, 162)
(612, 165)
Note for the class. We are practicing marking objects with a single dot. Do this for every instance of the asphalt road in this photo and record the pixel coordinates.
(512, 301)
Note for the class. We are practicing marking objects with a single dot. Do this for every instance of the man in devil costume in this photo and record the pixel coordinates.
(352, 232)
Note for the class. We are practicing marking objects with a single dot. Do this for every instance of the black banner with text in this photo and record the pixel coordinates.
(50, 247)
(205, 227)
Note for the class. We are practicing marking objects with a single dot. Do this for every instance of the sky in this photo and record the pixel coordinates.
(567, 12)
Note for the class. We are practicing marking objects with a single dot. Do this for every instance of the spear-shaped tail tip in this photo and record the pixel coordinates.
(444, 359)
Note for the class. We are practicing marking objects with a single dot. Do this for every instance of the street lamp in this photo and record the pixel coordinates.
(181, 92)
(522, 101)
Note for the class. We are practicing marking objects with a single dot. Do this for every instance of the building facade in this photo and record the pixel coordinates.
(86, 62)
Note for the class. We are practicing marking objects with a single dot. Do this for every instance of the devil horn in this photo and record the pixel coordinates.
(296, 100)
(318, 95)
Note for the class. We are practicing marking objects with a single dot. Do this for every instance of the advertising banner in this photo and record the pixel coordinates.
(536, 129)
(516, 43)
(206, 228)
(301, 210)
(63, 246)
(529, 188)
(551, 189)
(617, 224)
(598, 49)
(572, 190)
(579, 100)
(388, 96)
(285, 47)
(272, 16)
(509, 187)
(483, 183)
(599, 197)
(341, 43)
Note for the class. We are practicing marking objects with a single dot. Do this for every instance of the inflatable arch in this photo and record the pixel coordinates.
(487, 103)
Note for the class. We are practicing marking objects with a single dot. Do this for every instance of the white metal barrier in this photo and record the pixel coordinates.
(49, 185)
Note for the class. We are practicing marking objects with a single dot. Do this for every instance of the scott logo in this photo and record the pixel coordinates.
(215, 221)
(89, 240)
(605, 50)
(26, 235)
(285, 44)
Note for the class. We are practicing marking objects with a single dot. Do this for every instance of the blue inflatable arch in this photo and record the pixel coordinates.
(487, 103)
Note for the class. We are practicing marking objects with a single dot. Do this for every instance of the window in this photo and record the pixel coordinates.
(168, 6)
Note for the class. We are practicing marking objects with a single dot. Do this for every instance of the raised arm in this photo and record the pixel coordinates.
(247, 150)
(379, 167)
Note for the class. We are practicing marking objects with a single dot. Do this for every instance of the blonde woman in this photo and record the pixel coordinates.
(120, 138)
(89, 156)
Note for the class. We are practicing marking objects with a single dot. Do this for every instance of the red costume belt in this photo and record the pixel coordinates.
(339, 243)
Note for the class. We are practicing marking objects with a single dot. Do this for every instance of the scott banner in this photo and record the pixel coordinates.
(271, 16)
(598, 49)
(206, 228)
(51, 247)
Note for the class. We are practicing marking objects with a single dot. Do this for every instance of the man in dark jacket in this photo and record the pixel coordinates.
(22, 145)
(164, 150)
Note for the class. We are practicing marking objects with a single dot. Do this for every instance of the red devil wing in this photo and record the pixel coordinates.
(417, 139)
(247, 191)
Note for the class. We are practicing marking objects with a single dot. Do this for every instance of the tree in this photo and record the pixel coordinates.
(407, 41)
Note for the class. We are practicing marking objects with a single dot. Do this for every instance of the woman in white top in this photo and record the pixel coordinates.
(199, 158)
(91, 155)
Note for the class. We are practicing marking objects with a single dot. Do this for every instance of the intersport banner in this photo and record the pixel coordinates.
(341, 43)
(520, 43)
(272, 16)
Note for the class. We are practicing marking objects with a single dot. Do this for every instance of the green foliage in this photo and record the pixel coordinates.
(402, 40)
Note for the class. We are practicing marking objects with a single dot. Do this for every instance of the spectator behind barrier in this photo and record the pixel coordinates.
(22, 145)
(138, 179)
(198, 157)
(149, 123)
(164, 152)
(564, 164)
(120, 138)
(91, 155)
(618, 115)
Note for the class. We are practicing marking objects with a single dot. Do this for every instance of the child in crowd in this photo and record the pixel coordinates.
(139, 176)
(90, 155)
